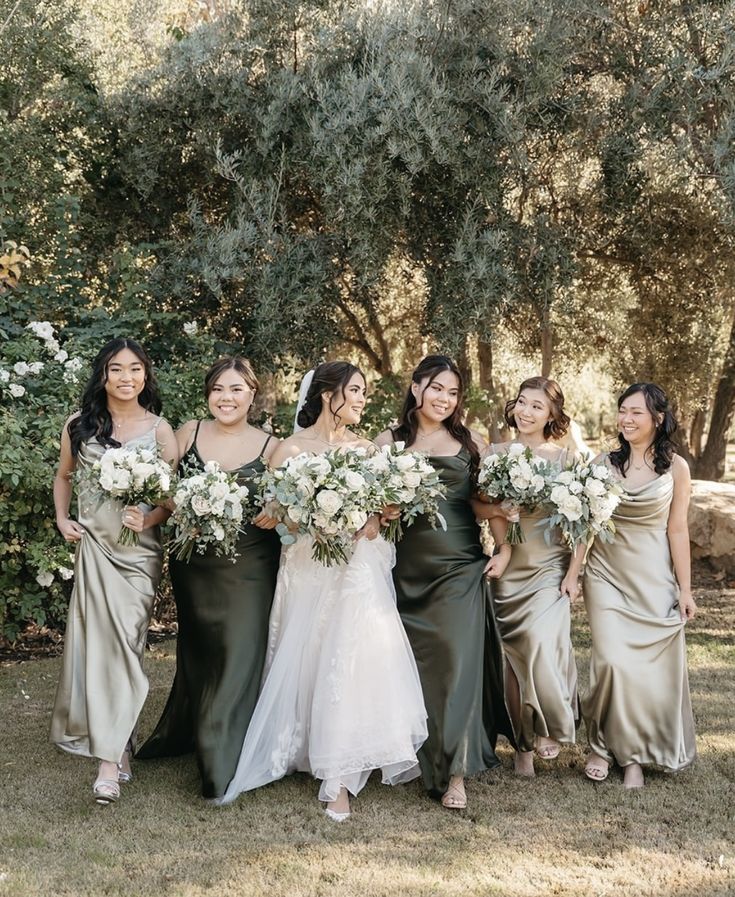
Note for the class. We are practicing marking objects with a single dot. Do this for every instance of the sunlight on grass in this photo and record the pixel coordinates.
(556, 835)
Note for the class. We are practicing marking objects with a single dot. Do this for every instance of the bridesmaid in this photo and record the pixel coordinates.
(223, 607)
(443, 597)
(532, 595)
(638, 595)
(103, 686)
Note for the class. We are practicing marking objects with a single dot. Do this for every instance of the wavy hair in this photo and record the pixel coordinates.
(230, 363)
(428, 369)
(330, 376)
(94, 417)
(663, 445)
(559, 424)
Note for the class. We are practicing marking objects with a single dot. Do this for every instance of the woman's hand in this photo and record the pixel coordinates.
(495, 567)
(70, 529)
(265, 521)
(371, 529)
(570, 587)
(135, 519)
(511, 512)
(687, 606)
(389, 512)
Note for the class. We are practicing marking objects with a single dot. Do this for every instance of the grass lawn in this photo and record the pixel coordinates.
(556, 835)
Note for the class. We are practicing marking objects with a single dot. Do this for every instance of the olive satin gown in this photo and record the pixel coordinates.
(102, 686)
(223, 610)
(444, 602)
(638, 708)
(535, 625)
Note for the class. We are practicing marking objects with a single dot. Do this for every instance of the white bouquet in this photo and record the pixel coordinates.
(209, 508)
(328, 497)
(518, 478)
(130, 476)
(582, 498)
(408, 480)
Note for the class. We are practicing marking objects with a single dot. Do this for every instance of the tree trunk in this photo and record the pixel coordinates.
(485, 357)
(696, 432)
(547, 348)
(711, 463)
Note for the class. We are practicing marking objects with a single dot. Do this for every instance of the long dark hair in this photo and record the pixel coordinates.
(663, 445)
(559, 424)
(331, 376)
(408, 425)
(94, 418)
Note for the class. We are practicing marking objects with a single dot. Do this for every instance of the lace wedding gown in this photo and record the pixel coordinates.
(341, 694)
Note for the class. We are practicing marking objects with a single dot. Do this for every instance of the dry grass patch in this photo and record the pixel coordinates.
(557, 835)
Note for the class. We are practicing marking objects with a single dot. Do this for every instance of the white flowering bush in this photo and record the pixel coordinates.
(328, 497)
(210, 507)
(127, 476)
(40, 382)
(581, 499)
(519, 479)
(408, 480)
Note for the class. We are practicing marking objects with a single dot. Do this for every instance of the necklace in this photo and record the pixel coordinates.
(420, 435)
(326, 441)
(640, 466)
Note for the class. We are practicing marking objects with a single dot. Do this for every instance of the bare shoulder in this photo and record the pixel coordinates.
(384, 438)
(164, 428)
(602, 458)
(286, 449)
(186, 429)
(72, 417)
(680, 471)
(270, 444)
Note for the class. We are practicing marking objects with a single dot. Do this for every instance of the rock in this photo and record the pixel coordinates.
(712, 523)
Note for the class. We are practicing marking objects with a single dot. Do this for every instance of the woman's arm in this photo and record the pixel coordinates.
(677, 531)
(69, 529)
(570, 583)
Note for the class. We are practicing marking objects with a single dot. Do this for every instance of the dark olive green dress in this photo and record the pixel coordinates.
(444, 602)
(223, 610)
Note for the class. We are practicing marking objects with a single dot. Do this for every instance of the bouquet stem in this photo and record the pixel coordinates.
(128, 537)
(393, 531)
(514, 533)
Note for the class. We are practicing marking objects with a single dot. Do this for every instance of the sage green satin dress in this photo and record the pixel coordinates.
(223, 610)
(103, 687)
(535, 625)
(638, 709)
(444, 602)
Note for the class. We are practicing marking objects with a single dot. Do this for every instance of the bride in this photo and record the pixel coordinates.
(341, 694)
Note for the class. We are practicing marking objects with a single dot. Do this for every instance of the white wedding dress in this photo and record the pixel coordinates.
(341, 694)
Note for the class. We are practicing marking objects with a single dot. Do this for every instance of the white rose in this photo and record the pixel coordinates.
(52, 346)
(354, 481)
(121, 480)
(356, 520)
(412, 479)
(142, 471)
(594, 487)
(571, 508)
(65, 572)
(218, 507)
(74, 364)
(379, 462)
(559, 494)
(329, 501)
(195, 482)
(45, 579)
(16, 390)
(319, 465)
(164, 481)
(21, 368)
(405, 462)
(61, 356)
(305, 486)
(520, 479)
(4, 375)
(537, 482)
(515, 449)
(600, 471)
(191, 328)
(219, 491)
(35, 367)
(106, 480)
(566, 477)
(200, 506)
(218, 532)
(576, 487)
(211, 467)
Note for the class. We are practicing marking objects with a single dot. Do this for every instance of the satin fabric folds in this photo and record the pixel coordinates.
(444, 602)
(222, 609)
(638, 708)
(103, 687)
(535, 624)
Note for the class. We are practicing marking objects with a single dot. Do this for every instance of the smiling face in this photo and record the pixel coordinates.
(635, 421)
(230, 397)
(125, 376)
(347, 403)
(437, 397)
(532, 412)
